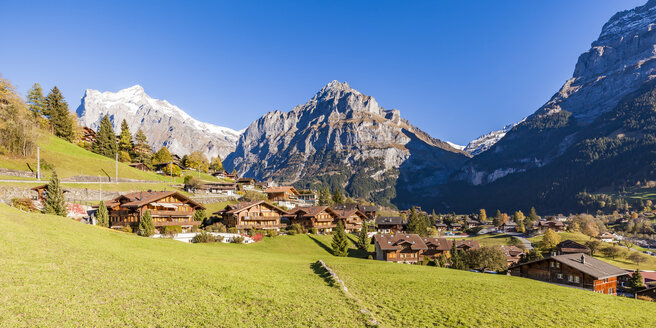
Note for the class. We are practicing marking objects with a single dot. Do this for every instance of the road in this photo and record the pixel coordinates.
(526, 242)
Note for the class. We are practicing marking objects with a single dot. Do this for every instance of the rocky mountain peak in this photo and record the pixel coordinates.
(339, 98)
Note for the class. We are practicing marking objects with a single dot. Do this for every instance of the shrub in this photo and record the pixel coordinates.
(297, 228)
(271, 233)
(24, 204)
(313, 231)
(291, 232)
(206, 237)
(232, 230)
(172, 230)
(216, 227)
(370, 257)
(238, 240)
(127, 229)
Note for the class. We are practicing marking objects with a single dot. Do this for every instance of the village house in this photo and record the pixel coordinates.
(553, 224)
(41, 192)
(322, 218)
(577, 270)
(437, 247)
(606, 237)
(246, 183)
(399, 248)
(306, 198)
(456, 226)
(508, 226)
(226, 174)
(390, 224)
(283, 196)
(167, 208)
(369, 210)
(472, 223)
(221, 188)
(440, 226)
(571, 247)
(352, 219)
(513, 253)
(246, 216)
(140, 166)
(88, 135)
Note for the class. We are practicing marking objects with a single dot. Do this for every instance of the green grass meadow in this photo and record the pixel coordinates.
(58, 272)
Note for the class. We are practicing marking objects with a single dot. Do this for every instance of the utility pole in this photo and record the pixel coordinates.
(171, 170)
(100, 183)
(198, 170)
(116, 168)
(38, 163)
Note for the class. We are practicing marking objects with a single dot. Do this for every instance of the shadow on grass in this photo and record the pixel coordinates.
(323, 273)
(322, 245)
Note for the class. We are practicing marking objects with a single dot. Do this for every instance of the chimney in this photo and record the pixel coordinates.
(582, 258)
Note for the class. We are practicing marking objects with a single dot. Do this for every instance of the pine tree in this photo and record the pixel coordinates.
(125, 139)
(325, 199)
(635, 281)
(338, 198)
(59, 115)
(199, 215)
(146, 227)
(105, 139)
(102, 216)
(54, 197)
(533, 215)
(36, 101)
(340, 241)
(141, 151)
(417, 224)
(363, 238)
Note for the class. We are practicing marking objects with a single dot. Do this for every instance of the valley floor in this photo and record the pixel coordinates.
(58, 272)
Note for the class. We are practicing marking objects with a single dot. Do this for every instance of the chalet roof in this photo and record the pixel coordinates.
(587, 264)
(548, 222)
(349, 212)
(511, 251)
(395, 242)
(510, 224)
(467, 243)
(440, 225)
(390, 220)
(245, 180)
(441, 244)
(368, 208)
(283, 189)
(606, 235)
(570, 246)
(236, 208)
(312, 211)
(141, 198)
(45, 186)
(456, 225)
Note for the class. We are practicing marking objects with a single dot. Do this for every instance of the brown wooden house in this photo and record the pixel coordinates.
(42, 190)
(352, 219)
(167, 208)
(252, 215)
(281, 194)
(322, 218)
(400, 248)
(571, 247)
(140, 166)
(390, 224)
(513, 253)
(577, 270)
(437, 247)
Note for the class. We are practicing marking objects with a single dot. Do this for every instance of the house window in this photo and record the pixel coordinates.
(610, 291)
(577, 279)
(558, 265)
(560, 276)
(570, 278)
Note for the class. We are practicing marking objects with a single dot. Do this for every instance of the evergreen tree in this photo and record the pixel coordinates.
(146, 227)
(518, 217)
(417, 224)
(325, 199)
(106, 139)
(102, 216)
(54, 197)
(457, 261)
(59, 115)
(363, 238)
(125, 139)
(635, 281)
(338, 198)
(141, 151)
(533, 215)
(199, 215)
(340, 242)
(36, 101)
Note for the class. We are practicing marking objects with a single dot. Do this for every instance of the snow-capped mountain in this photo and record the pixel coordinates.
(163, 123)
(488, 140)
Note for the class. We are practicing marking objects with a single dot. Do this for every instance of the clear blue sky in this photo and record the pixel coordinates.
(455, 69)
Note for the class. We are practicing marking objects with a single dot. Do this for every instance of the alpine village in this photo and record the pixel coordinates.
(128, 212)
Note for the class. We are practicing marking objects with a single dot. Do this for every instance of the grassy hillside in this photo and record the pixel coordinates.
(624, 263)
(71, 160)
(59, 272)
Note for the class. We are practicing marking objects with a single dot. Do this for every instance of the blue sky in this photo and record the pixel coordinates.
(455, 69)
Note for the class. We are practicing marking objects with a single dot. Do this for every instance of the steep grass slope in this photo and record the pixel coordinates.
(59, 272)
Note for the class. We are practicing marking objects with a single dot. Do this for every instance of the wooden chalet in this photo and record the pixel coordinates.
(225, 174)
(167, 208)
(252, 215)
(399, 248)
(606, 237)
(390, 224)
(508, 226)
(42, 190)
(441, 226)
(552, 223)
(322, 218)
(284, 196)
(352, 219)
(576, 270)
(513, 254)
(571, 247)
(88, 135)
(246, 183)
(437, 247)
(140, 166)
(224, 188)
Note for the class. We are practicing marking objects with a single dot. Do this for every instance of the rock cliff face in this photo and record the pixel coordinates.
(343, 138)
(164, 124)
(619, 62)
